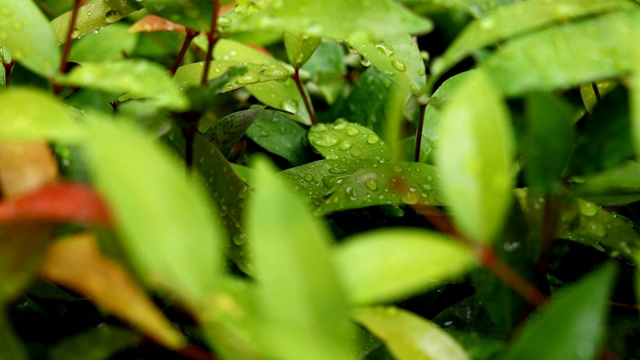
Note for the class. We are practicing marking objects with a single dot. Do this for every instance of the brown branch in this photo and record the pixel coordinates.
(304, 95)
(212, 38)
(419, 130)
(67, 43)
(191, 33)
(596, 91)
(8, 67)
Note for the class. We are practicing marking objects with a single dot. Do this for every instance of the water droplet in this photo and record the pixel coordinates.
(239, 239)
(346, 145)
(290, 105)
(308, 177)
(355, 153)
(365, 62)
(397, 168)
(352, 131)
(351, 193)
(486, 24)
(511, 246)
(587, 208)
(385, 48)
(248, 78)
(324, 139)
(372, 139)
(426, 187)
(372, 184)
(598, 230)
(112, 16)
(352, 49)
(336, 170)
(264, 133)
(421, 72)
(429, 178)
(275, 71)
(399, 65)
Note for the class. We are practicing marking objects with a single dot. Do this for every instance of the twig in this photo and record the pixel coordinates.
(212, 38)
(67, 43)
(8, 67)
(416, 152)
(596, 91)
(303, 94)
(191, 33)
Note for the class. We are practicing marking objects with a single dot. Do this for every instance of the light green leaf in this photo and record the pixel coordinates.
(110, 43)
(297, 286)
(92, 17)
(392, 264)
(510, 21)
(345, 140)
(475, 155)
(190, 75)
(408, 336)
(300, 47)
(535, 62)
(278, 134)
(336, 19)
(571, 327)
(167, 228)
(139, 78)
(26, 32)
(30, 114)
(399, 58)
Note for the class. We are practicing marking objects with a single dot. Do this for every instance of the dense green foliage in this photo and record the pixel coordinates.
(304, 179)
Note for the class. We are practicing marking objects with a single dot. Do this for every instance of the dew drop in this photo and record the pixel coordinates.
(346, 145)
(399, 65)
(248, 78)
(324, 140)
(421, 72)
(352, 131)
(308, 177)
(275, 71)
(112, 16)
(365, 62)
(598, 230)
(372, 184)
(290, 105)
(385, 48)
(587, 208)
(372, 139)
(239, 239)
(336, 170)
(397, 168)
(355, 153)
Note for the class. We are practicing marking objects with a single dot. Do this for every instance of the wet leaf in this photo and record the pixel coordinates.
(111, 43)
(278, 134)
(399, 58)
(308, 178)
(139, 78)
(533, 62)
(157, 204)
(408, 336)
(297, 286)
(346, 140)
(336, 19)
(30, 114)
(300, 47)
(547, 142)
(475, 155)
(392, 264)
(151, 23)
(327, 69)
(226, 132)
(619, 185)
(25, 31)
(99, 343)
(510, 21)
(571, 326)
(76, 263)
(56, 203)
(194, 14)
(92, 17)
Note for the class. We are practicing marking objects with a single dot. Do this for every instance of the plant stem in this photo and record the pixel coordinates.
(191, 33)
(303, 94)
(416, 152)
(7, 72)
(67, 43)
(596, 91)
(212, 37)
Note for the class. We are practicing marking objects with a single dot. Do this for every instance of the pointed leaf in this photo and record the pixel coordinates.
(398, 57)
(391, 264)
(76, 263)
(226, 132)
(571, 327)
(298, 287)
(300, 47)
(345, 140)
(327, 69)
(278, 134)
(26, 32)
(98, 343)
(617, 186)
(167, 228)
(189, 75)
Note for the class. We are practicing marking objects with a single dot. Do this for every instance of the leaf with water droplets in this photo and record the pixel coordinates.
(288, 240)
(327, 69)
(300, 47)
(409, 336)
(346, 140)
(189, 75)
(616, 186)
(25, 31)
(110, 43)
(397, 55)
(571, 326)
(278, 134)
(92, 17)
(194, 14)
(534, 61)
(321, 178)
(475, 156)
(226, 132)
(139, 78)
(152, 23)
(510, 21)
(392, 264)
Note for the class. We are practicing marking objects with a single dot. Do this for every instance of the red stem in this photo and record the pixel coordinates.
(191, 33)
(67, 43)
(303, 94)
(212, 37)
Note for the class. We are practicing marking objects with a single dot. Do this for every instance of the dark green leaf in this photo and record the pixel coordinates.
(346, 140)
(475, 155)
(408, 336)
(298, 287)
(25, 31)
(327, 69)
(111, 43)
(619, 185)
(571, 327)
(226, 132)
(392, 264)
(99, 343)
(278, 134)
(299, 47)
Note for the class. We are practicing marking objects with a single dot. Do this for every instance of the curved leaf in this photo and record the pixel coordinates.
(26, 32)
(226, 132)
(327, 69)
(299, 48)
(278, 134)
(475, 155)
(408, 336)
(345, 140)
(110, 43)
(392, 264)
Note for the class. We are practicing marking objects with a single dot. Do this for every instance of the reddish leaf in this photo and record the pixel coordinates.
(62, 202)
(151, 23)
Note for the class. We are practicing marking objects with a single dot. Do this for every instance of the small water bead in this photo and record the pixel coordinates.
(340, 124)
(385, 48)
(397, 168)
(240, 239)
(372, 139)
(248, 78)
(336, 170)
(399, 65)
(352, 131)
(587, 208)
(365, 62)
(346, 145)
(290, 105)
(308, 177)
(324, 140)
(421, 72)
(275, 71)
(112, 16)
(371, 184)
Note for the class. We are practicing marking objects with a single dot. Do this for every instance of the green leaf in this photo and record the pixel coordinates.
(480, 8)
(475, 155)
(30, 114)
(139, 78)
(226, 132)
(278, 134)
(345, 140)
(167, 228)
(26, 32)
(327, 69)
(110, 43)
(571, 327)
(547, 142)
(194, 14)
(533, 62)
(299, 47)
(408, 336)
(99, 343)
(297, 286)
(92, 17)
(336, 19)
(432, 114)
(10, 346)
(619, 185)
(392, 264)
(399, 58)
(510, 21)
